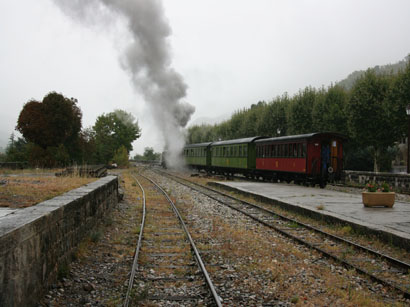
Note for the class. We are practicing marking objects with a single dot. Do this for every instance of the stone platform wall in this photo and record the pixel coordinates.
(399, 182)
(35, 241)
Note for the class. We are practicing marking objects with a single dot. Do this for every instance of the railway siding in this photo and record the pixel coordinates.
(34, 241)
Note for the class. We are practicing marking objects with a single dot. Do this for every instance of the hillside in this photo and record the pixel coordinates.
(389, 68)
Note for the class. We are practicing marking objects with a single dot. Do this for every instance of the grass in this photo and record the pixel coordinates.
(21, 191)
(96, 236)
(63, 270)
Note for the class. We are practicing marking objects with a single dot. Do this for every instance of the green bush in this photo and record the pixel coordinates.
(121, 157)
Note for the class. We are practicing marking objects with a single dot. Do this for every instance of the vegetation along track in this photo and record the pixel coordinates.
(379, 267)
(164, 263)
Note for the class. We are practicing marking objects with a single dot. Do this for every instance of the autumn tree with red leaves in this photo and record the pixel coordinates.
(52, 125)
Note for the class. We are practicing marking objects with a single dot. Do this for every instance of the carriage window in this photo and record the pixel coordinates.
(240, 151)
(290, 150)
(286, 153)
(245, 151)
(304, 150)
(295, 150)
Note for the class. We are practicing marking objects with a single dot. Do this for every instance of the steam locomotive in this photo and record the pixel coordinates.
(314, 158)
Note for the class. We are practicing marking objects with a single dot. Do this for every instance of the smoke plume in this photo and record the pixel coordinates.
(146, 57)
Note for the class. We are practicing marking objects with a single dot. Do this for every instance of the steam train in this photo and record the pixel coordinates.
(314, 158)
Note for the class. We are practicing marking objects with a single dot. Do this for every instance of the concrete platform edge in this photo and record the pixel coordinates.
(36, 241)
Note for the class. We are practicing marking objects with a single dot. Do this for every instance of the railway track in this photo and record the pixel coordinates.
(167, 268)
(381, 268)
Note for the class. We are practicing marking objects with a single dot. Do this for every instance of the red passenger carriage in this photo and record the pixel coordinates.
(308, 158)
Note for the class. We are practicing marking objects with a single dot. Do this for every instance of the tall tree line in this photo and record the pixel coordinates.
(372, 114)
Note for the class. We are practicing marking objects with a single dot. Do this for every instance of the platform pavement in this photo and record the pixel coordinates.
(340, 206)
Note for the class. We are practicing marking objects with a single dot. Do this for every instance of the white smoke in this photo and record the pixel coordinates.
(147, 59)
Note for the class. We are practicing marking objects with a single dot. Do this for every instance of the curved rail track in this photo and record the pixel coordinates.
(381, 268)
(164, 254)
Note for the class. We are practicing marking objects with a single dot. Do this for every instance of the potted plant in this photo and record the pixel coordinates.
(378, 195)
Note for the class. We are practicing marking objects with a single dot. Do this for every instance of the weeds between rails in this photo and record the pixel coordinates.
(135, 294)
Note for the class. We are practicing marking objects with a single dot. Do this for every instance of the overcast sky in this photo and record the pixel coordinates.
(231, 53)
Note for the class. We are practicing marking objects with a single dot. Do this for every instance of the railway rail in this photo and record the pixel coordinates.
(165, 256)
(379, 267)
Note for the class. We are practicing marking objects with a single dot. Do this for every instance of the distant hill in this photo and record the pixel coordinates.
(389, 68)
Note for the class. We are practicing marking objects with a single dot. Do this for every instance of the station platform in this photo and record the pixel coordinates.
(390, 224)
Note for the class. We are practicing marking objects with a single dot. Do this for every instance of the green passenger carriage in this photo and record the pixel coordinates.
(198, 155)
(234, 155)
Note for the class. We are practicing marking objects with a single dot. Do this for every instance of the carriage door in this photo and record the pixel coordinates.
(325, 157)
(334, 155)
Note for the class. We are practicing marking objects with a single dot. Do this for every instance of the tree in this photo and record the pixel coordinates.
(370, 119)
(150, 155)
(16, 150)
(51, 128)
(54, 121)
(300, 111)
(87, 146)
(399, 97)
(329, 111)
(114, 130)
(273, 120)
